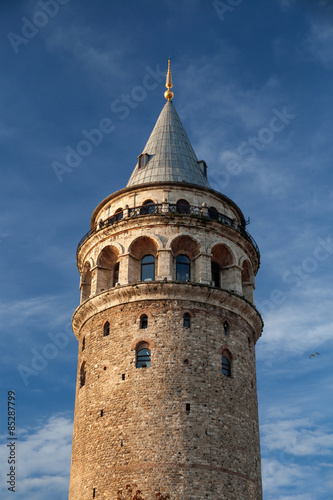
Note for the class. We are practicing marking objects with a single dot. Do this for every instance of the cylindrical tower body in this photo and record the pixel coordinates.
(166, 398)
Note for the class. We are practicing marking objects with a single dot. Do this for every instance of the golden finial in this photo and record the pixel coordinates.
(169, 94)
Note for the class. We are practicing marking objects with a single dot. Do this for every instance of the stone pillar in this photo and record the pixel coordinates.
(248, 291)
(203, 272)
(232, 279)
(124, 269)
(164, 265)
(94, 272)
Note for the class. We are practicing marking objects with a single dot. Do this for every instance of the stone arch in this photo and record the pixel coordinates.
(140, 248)
(86, 281)
(185, 244)
(223, 266)
(189, 247)
(107, 261)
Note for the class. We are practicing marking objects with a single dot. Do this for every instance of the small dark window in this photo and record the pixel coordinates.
(187, 320)
(83, 343)
(83, 375)
(148, 207)
(143, 160)
(216, 271)
(183, 268)
(116, 274)
(143, 358)
(183, 207)
(148, 268)
(249, 343)
(123, 376)
(118, 215)
(144, 321)
(213, 213)
(94, 493)
(106, 329)
(226, 328)
(102, 412)
(188, 407)
(226, 366)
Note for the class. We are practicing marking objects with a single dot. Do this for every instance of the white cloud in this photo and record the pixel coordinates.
(43, 459)
(297, 437)
(299, 326)
(319, 42)
(277, 475)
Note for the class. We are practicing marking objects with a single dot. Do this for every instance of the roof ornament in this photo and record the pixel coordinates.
(169, 94)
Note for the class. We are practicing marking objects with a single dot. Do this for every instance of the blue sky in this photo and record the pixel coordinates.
(253, 88)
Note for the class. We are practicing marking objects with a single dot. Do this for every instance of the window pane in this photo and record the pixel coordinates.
(187, 321)
(182, 268)
(143, 358)
(144, 322)
(148, 268)
(226, 366)
(216, 274)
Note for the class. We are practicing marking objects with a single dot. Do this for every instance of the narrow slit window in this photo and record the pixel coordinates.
(216, 273)
(226, 328)
(226, 366)
(106, 329)
(116, 274)
(187, 320)
(83, 375)
(144, 321)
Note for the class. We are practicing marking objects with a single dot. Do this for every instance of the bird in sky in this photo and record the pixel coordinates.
(314, 354)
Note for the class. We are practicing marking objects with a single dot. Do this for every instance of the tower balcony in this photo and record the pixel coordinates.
(165, 209)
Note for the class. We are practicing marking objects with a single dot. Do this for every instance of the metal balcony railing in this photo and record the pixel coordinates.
(169, 209)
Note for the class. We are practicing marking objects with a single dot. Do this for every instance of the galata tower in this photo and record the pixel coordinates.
(166, 396)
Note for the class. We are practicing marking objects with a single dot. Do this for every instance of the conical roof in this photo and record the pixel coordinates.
(168, 155)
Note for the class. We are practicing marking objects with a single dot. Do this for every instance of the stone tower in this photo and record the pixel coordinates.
(166, 397)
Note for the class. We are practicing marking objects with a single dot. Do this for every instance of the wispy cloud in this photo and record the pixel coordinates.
(43, 459)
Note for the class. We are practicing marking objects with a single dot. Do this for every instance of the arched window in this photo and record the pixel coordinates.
(148, 268)
(118, 215)
(144, 321)
(187, 320)
(106, 329)
(226, 366)
(83, 374)
(116, 274)
(148, 207)
(226, 328)
(213, 213)
(143, 358)
(216, 272)
(183, 268)
(183, 207)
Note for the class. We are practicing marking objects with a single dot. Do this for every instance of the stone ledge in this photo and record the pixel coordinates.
(156, 291)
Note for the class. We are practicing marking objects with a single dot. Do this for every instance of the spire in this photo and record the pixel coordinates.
(169, 94)
(168, 155)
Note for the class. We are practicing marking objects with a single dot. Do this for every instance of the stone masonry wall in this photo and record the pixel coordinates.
(133, 426)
